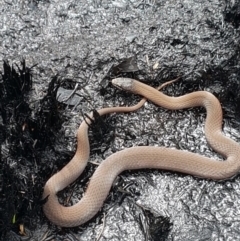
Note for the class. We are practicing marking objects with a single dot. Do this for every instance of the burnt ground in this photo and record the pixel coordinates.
(53, 50)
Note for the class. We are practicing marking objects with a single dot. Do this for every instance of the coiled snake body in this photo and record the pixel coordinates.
(140, 157)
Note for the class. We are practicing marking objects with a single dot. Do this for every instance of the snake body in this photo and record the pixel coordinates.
(140, 157)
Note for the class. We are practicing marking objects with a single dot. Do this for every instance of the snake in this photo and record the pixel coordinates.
(140, 157)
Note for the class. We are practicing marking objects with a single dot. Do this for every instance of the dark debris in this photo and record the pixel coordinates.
(159, 227)
(27, 132)
(232, 13)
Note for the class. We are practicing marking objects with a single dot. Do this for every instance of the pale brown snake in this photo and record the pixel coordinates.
(140, 157)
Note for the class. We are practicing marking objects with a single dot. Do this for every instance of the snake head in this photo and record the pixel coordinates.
(123, 83)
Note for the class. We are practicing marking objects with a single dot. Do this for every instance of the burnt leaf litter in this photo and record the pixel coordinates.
(28, 129)
(33, 146)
